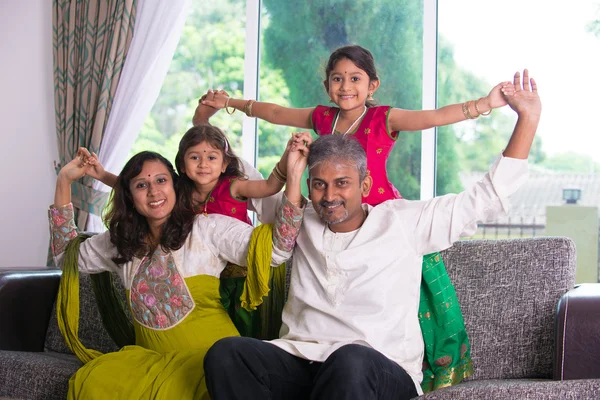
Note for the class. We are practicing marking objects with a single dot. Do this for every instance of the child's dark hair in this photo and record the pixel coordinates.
(360, 56)
(128, 229)
(217, 139)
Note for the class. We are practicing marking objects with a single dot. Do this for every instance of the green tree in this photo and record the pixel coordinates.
(210, 54)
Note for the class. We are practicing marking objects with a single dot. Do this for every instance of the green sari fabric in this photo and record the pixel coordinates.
(447, 358)
(255, 302)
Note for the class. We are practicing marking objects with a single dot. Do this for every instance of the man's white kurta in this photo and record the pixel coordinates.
(363, 287)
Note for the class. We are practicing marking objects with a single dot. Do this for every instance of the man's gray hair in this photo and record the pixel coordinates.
(338, 148)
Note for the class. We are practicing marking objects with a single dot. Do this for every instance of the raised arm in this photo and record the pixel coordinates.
(525, 101)
(95, 254)
(413, 120)
(268, 187)
(96, 169)
(273, 113)
(443, 220)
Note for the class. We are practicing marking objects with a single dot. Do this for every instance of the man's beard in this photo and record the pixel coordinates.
(323, 209)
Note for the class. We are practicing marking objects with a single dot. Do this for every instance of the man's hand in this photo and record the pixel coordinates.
(297, 153)
(523, 97)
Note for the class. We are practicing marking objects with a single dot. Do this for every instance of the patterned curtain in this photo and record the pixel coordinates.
(91, 39)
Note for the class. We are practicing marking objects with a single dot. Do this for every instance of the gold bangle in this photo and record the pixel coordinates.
(278, 170)
(227, 106)
(479, 112)
(277, 174)
(248, 108)
(277, 177)
(465, 110)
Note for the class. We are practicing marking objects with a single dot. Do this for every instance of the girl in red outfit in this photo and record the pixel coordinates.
(351, 81)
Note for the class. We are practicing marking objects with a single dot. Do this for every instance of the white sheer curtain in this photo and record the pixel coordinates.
(157, 31)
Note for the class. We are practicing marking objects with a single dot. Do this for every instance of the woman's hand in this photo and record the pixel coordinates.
(215, 99)
(78, 167)
(203, 112)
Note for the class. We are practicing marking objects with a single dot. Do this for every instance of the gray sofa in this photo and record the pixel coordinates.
(508, 291)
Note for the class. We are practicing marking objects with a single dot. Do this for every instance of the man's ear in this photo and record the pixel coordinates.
(374, 85)
(308, 186)
(365, 186)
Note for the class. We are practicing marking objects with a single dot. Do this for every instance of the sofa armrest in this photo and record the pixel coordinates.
(26, 299)
(577, 333)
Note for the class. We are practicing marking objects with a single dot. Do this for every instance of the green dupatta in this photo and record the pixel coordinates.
(447, 358)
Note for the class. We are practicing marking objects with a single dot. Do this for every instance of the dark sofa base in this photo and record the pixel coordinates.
(538, 389)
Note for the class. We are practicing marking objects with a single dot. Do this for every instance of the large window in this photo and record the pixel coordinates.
(297, 39)
(480, 45)
(276, 51)
(210, 54)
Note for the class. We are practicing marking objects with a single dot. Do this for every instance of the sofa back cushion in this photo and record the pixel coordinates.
(508, 291)
(91, 330)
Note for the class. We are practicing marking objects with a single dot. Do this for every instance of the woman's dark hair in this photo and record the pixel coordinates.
(129, 230)
(360, 56)
(217, 139)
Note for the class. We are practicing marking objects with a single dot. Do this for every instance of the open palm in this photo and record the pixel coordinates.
(523, 96)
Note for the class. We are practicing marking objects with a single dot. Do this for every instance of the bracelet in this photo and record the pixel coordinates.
(479, 112)
(277, 177)
(284, 176)
(248, 108)
(465, 110)
(227, 106)
(280, 176)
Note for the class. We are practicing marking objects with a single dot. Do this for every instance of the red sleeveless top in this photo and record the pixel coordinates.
(220, 201)
(372, 134)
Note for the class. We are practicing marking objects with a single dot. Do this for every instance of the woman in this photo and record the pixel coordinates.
(169, 262)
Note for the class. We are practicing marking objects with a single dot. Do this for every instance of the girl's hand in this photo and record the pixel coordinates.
(297, 156)
(215, 99)
(203, 113)
(77, 168)
(494, 99)
(523, 96)
(95, 169)
(304, 138)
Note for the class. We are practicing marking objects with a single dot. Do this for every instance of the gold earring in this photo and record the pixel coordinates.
(370, 96)
(330, 100)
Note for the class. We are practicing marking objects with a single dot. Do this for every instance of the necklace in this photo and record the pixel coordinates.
(351, 126)
(205, 203)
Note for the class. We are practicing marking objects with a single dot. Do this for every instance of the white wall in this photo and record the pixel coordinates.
(28, 141)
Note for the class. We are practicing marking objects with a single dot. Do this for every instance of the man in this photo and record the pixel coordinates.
(350, 327)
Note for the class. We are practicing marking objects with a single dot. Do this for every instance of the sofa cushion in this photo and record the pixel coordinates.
(33, 376)
(91, 330)
(508, 291)
(540, 389)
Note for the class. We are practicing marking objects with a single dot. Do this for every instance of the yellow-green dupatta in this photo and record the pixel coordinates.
(109, 303)
(264, 287)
